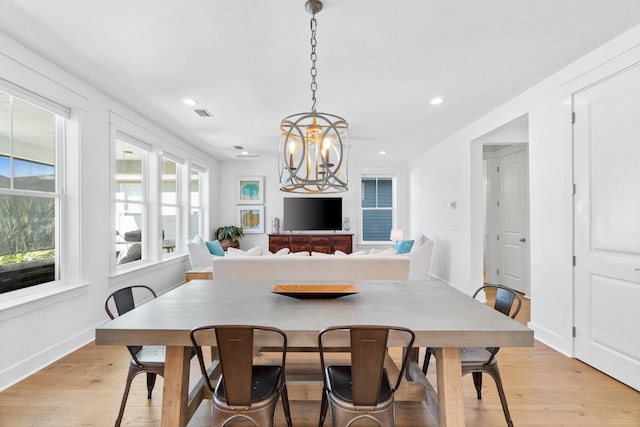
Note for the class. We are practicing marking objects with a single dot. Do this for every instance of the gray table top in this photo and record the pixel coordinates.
(440, 315)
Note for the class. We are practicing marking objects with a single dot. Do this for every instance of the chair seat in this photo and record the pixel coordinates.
(151, 355)
(339, 378)
(475, 356)
(265, 380)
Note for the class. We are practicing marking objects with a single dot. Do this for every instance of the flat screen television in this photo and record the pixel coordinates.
(312, 213)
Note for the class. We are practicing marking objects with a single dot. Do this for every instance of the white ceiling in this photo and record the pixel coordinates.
(379, 61)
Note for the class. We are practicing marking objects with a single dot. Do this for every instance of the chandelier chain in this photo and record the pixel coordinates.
(314, 57)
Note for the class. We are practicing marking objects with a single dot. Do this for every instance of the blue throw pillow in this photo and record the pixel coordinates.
(215, 248)
(404, 247)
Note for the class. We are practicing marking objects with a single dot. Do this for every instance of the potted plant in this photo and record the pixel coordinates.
(229, 236)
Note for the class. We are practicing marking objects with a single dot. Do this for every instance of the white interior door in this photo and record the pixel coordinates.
(607, 226)
(514, 218)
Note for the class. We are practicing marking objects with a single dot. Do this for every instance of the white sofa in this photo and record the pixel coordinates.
(411, 266)
(330, 267)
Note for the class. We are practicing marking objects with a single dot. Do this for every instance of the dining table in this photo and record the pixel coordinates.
(440, 315)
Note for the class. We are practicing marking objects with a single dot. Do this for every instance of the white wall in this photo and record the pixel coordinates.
(273, 197)
(452, 171)
(37, 326)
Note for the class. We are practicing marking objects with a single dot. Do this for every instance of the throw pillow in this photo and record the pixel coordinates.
(404, 247)
(255, 251)
(283, 251)
(358, 253)
(340, 253)
(385, 252)
(320, 254)
(215, 248)
(233, 252)
(303, 253)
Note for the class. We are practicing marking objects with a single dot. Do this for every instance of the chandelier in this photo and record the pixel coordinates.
(312, 155)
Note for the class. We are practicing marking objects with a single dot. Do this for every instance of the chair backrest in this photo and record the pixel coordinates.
(123, 301)
(505, 297)
(368, 352)
(236, 352)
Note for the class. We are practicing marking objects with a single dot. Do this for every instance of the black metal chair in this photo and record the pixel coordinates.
(144, 359)
(244, 390)
(476, 360)
(362, 388)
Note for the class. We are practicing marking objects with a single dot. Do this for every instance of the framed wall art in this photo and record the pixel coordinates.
(250, 190)
(251, 218)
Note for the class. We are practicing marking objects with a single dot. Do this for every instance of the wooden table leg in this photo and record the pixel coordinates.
(450, 401)
(176, 387)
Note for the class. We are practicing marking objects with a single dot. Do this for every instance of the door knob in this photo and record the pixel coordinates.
(523, 240)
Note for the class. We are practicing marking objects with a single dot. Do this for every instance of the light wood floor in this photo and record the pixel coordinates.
(543, 387)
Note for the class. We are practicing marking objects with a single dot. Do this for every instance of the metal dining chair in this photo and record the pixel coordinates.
(478, 360)
(244, 390)
(362, 388)
(144, 359)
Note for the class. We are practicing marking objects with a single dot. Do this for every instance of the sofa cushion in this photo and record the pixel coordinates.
(215, 248)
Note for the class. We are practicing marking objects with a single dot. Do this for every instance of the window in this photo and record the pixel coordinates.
(130, 201)
(170, 196)
(377, 208)
(30, 195)
(196, 220)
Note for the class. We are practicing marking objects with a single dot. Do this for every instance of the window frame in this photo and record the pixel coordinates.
(394, 206)
(200, 207)
(145, 203)
(178, 205)
(62, 117)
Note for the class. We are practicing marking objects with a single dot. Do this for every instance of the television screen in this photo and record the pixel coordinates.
(312, 213)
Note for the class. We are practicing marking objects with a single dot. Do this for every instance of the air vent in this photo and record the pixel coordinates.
(238, 147)
(202, 112)
(246, 156)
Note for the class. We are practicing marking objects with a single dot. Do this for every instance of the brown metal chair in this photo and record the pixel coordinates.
(147, 359)
(361, 389)
(476, 360)
(244, 391)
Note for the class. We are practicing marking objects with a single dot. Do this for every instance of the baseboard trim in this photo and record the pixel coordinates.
(551, 339)
(30, 366)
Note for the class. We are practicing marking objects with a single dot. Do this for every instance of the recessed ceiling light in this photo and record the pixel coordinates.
(382, 152)
(437, 100)
(245, 153)
(189, 101)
